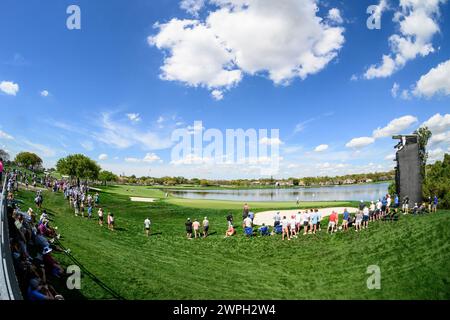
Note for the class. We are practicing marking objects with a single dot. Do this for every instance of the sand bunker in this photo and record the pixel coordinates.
(267, 216)
(138, 199)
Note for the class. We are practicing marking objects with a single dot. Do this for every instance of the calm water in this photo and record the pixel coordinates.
(364, 192)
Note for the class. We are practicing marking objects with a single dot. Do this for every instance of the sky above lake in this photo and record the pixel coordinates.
(135, 71)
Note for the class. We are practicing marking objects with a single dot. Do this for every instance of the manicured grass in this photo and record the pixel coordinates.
(413, 254)
(133, 191)
(223, 204)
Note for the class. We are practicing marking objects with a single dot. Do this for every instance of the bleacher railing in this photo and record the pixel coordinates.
(9, 286)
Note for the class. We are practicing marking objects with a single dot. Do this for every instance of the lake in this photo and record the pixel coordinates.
(366, 192)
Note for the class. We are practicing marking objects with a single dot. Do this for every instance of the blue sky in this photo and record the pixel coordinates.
(116, 89)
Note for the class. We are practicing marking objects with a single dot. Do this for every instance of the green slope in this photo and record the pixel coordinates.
(413, 254)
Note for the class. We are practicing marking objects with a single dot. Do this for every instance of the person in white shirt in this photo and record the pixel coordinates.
(147, 224)
(205, 225)
(378, 210)
(292, 226)
(305, 222)
(372, 211)
(366, 213)
(247, 224)
(277, 219)
(388, 204)
(298, 221)
(285, 225)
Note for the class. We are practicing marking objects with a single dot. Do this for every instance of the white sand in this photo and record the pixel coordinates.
(267, 216)
(95, 189)
(138, 199)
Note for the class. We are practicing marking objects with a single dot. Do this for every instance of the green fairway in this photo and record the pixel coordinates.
(153, 192)
(223, 204)
(413, 254)
(133, 191)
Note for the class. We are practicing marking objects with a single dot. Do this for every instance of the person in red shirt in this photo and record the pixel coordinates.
(332, 224)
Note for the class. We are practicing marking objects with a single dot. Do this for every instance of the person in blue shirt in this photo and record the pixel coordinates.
(251, 215)
(383, 206)
(435, 203)
(314, 220)
(264, 230)
(346, 217)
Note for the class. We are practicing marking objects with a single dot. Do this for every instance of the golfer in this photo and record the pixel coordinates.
(147, 224)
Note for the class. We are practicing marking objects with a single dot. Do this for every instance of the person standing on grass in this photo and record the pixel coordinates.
(205, 225)
(332, 222)
(359, 218)
(285, 225)
(111, 221)
(245, 211)
(90, 212)
(379, 206)
(366, 215)
(345, 220)
(305, 219)
(396, 202)
(314, 220)
(75, 204)
(277, 219)
(100, 217)
(298, 221)
(188, 225)
(388, 203)
(319, 219)
(82, 208)
(96, 199)
(147, 224)
(435, 204)
(196, 226)
(383, 206)
(405, 204)
(292, 224)
(372, 211)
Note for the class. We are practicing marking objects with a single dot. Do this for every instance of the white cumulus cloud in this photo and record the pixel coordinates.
(361, 142)
(438, 123)
(151, 157)
(4, 135)
(217, 94)
(192, 6)
(395, 126)
(321, 148)
(283, 41)
(134, 117)
(9, 88)
(417, 22)
(103, 157)
(436, 81)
